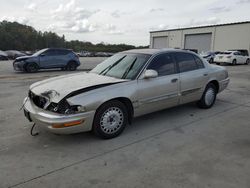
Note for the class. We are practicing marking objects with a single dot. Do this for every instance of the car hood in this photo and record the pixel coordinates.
(22, 58)
(59, 87)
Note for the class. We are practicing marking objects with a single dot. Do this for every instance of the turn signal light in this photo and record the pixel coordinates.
(68, 124)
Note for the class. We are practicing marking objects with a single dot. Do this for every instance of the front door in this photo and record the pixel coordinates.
(49, 59)
(160, 92)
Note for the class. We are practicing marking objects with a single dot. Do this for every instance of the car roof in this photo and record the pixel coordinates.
(151, 51)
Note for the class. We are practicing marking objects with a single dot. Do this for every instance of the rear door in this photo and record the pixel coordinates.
(193, 76)
(160, 92)
(62, 57)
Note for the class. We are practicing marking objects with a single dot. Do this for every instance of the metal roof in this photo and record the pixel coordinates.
(197, 27)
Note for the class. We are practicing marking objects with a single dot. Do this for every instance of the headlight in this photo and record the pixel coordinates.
(65, 108)
(75, 109)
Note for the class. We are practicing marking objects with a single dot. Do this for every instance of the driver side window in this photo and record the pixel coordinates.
(163, 64)
(49, 53)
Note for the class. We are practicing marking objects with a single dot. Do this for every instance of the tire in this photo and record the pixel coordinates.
(71, 66)
(110, 120)
(208, 97)
(31, 67)
(234, 62)
(211, 61)
(247, 62)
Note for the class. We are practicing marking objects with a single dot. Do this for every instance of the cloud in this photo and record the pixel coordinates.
(70, 18)
(202, 22)
(220, 9)
(116, 14)
(31, 7)
(159, 27)
(72, 11)
(243, 1)
(83, 26)
(112, 29)
(156, 10)
(21, 20)
(79, 26)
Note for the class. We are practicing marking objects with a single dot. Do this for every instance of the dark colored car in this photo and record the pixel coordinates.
(3, 57)
(48, 58)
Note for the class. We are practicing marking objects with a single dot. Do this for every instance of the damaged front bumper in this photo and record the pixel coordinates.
(58, 123)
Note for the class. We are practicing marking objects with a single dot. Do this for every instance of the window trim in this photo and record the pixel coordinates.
(164, 53)
(193, 55)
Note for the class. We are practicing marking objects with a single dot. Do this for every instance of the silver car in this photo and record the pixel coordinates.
(126, 85)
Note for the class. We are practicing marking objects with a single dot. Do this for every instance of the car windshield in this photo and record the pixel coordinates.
(39, 52)
(122, 66)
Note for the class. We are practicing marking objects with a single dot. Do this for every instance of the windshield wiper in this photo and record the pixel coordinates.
(107, 69)
(128, 69)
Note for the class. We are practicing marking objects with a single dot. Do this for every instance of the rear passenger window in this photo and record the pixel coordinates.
(163, 64)
(186, 62)
(199, 62)
(62, 52)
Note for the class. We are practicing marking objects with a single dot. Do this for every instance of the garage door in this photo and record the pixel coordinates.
(201, 42)
(160, 42)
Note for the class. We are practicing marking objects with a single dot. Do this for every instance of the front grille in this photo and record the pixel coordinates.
(37, 100)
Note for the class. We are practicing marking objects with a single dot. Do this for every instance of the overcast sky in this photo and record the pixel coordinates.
(120, 21)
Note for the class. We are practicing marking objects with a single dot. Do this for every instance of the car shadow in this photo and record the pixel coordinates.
(138, 124)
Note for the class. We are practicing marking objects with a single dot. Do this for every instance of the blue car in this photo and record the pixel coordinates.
(48, 58)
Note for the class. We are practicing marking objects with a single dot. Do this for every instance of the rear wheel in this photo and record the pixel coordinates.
(71, 66)
(234, 62)
(209, 96)
(31, 67)
(247, 62)
(211, 61)
(110, 119)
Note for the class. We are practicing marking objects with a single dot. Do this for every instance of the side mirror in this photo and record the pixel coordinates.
(150, 74)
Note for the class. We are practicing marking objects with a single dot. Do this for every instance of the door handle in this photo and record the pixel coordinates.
(205, 74)
(174, 80)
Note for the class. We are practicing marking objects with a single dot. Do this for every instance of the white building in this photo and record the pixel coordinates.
(204, 38)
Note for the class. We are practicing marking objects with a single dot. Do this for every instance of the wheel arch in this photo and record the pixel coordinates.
(30, 62)
(128, 104)
(215, 83)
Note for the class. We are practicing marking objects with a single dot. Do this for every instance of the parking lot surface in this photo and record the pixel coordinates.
(179, 147)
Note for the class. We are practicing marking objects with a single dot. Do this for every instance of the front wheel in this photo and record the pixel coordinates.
(110, 120)
(31, 67)
(208, 98)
